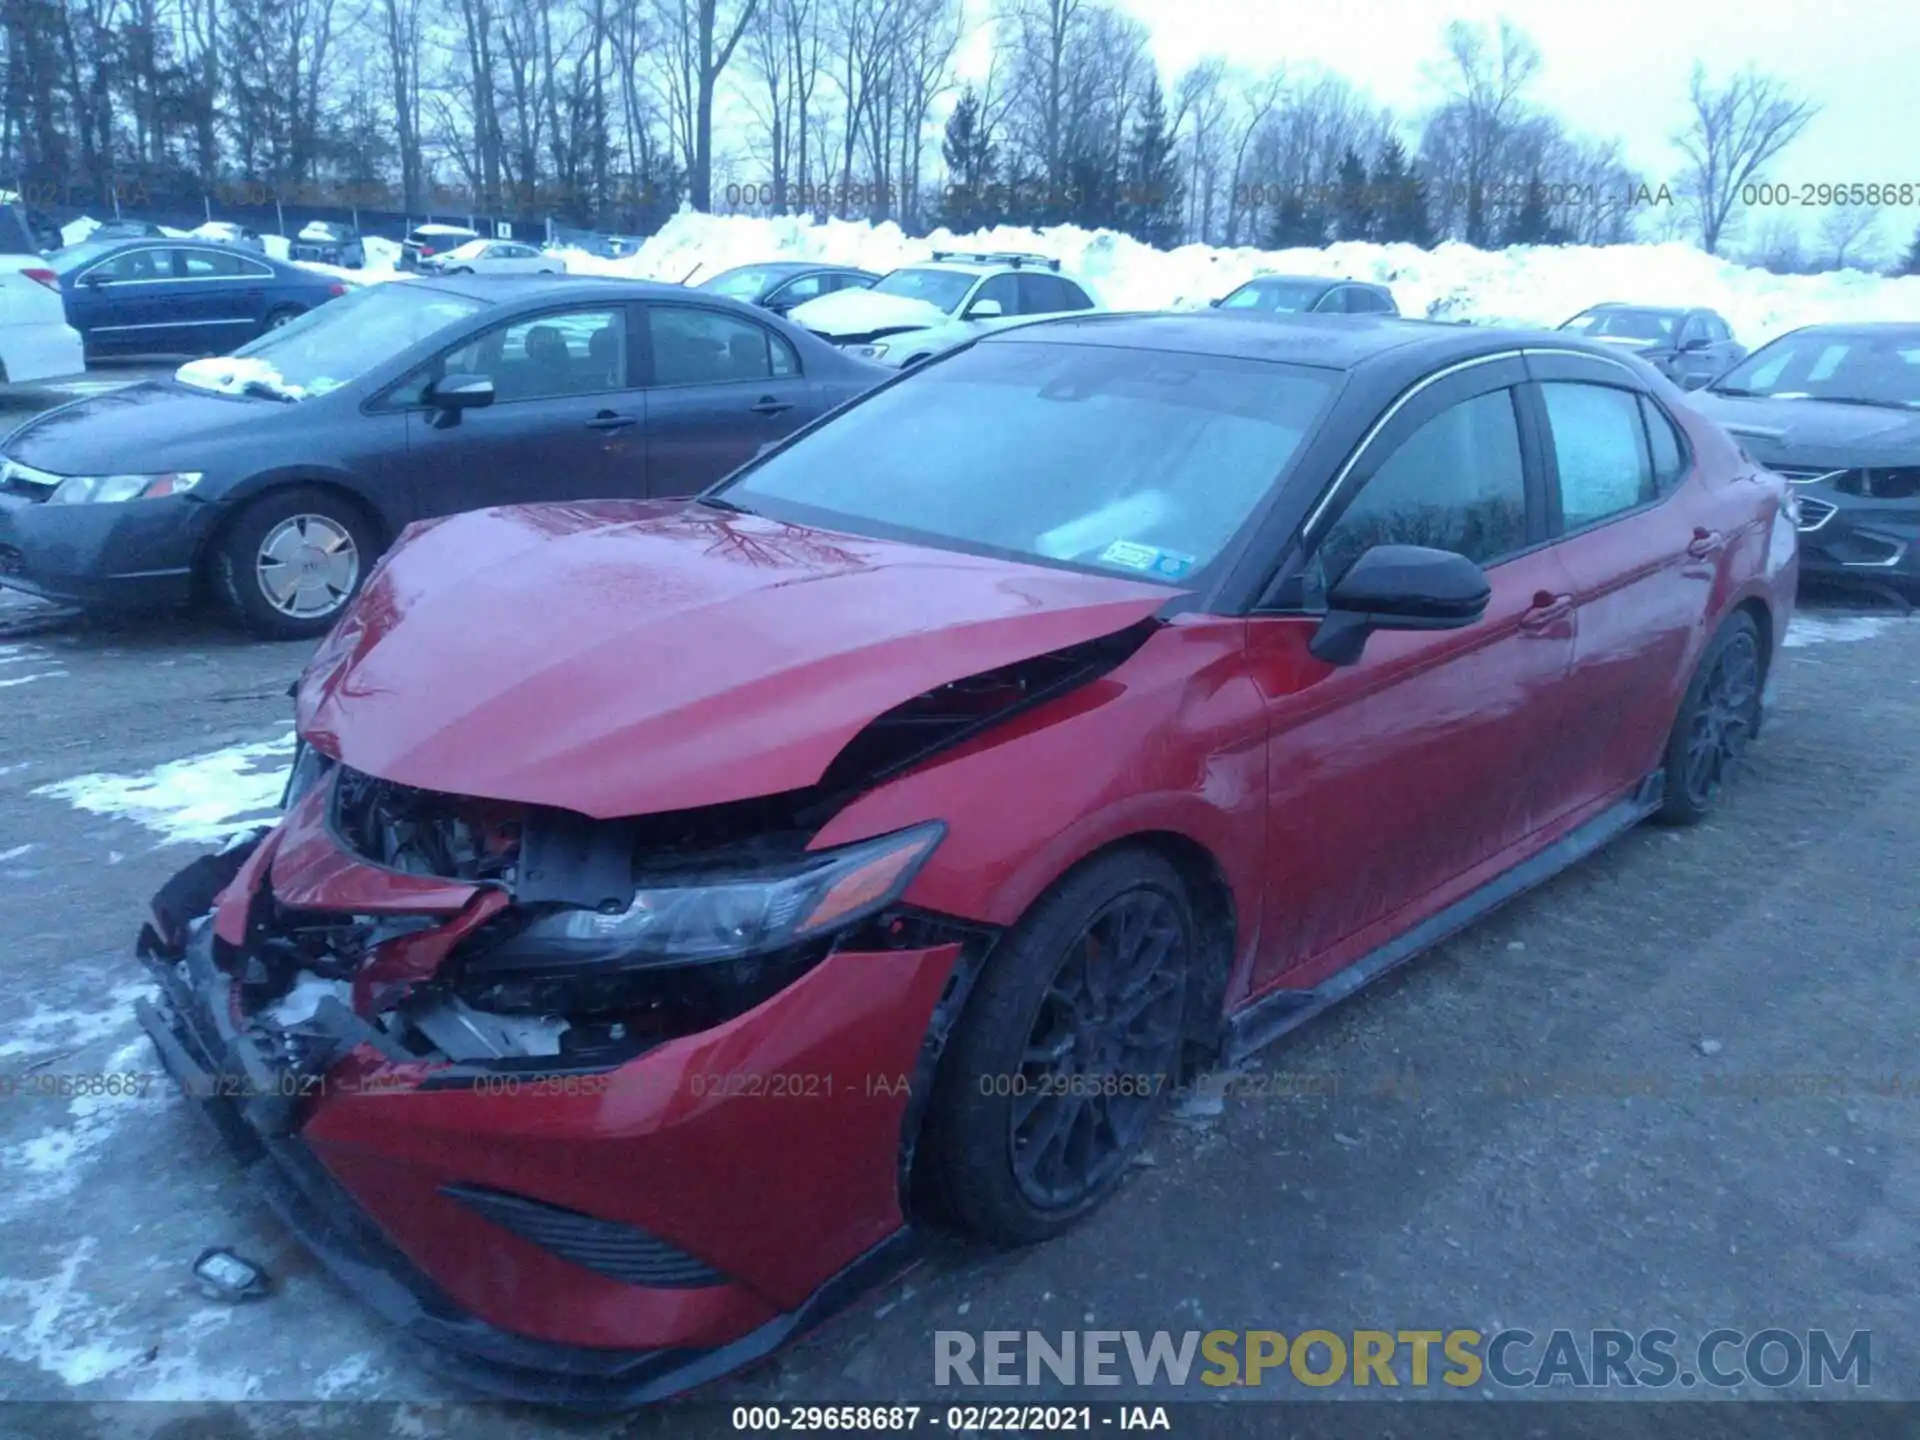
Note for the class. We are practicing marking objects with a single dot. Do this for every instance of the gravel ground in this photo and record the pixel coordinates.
(1402, 1163)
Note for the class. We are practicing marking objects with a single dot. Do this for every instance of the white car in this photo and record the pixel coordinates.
(225, 232)
(495, 257)
(922, 310)
(36, 343)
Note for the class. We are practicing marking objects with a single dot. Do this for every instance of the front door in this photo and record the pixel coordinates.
(567, 421)
(1391, 781)
(723, 387)
(126, 304)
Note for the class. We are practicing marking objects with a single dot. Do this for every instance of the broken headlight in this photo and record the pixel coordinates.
(719, 915)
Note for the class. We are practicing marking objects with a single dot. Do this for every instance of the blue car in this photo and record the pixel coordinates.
(180, 297)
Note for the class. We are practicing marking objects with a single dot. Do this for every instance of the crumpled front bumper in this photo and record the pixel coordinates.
(767, 1154)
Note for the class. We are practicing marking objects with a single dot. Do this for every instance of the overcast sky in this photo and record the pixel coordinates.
(1615, 68)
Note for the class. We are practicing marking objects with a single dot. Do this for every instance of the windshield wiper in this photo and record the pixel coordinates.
(1733, 390)
(267, 392)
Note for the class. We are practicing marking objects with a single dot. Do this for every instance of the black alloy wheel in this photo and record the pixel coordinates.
(1717, 721)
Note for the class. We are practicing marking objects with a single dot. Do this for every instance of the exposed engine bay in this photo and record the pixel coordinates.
(561, 943)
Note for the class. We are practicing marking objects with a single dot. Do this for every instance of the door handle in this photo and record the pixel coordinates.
(1547, 610)
(767, 405)
(1705, 542)
(608, 420)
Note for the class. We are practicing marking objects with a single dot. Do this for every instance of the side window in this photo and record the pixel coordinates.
(1001, 288)
(1600, 448)
(137, 265)
(1669, 452)
(1077, 299)
(704, 347)
(1042, 295)
(1334, 302)
(805, 288)
(1717, 328)
(205, 264)
(575, 352)
(1694, 329)
(1379, 303)
(1457, 483)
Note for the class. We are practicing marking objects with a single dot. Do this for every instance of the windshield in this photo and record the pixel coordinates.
(942, 288)
(740, 284)
(1623, 324)
(1288, 296)
(334, 343)
(1827, 365)
(1123, 461)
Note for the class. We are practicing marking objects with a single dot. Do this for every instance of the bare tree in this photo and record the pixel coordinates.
(701, 37)
(1255, 99)
(1734, 134)
(1483, 78)
(1198, 117)
(1851, 235)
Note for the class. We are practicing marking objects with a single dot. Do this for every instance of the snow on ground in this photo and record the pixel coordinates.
(199, 799)
(1808, 629)
(1541, 285)
(1528, 285)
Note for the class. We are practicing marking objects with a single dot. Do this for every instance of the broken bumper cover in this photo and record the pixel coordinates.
(381, 1183)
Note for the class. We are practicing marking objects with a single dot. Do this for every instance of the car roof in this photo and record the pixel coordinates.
(1332, 342)
(1325, 281)
(1645, 309)
(1865, 329)
(568, 287)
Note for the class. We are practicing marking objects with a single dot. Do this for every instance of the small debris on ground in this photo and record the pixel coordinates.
(224, 1275)
(1709, 1047)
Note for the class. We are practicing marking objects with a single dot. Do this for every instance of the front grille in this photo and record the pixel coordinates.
(1814, 514)
(606, 1247)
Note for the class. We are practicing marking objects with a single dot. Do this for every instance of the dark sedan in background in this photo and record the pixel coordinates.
(328, 242)
(781, 285)
(1309, 294)
(271, 478)
(1836, 409)
(1688, 346)
(180, 297)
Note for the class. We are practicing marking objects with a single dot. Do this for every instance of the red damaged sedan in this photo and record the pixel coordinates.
(680, 907)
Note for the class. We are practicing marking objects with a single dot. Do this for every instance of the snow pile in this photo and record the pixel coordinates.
(233, 375)
(1541, 285)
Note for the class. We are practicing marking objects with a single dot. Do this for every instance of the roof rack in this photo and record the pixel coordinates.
(1015, 258)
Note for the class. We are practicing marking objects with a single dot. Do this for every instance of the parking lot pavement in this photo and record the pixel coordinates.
(1402, 1163)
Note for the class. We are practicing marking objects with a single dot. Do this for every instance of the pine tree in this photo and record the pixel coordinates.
(1152, 193)
(1353, 209)
(1400, 202)
(1533, 224)
(1297, 223)
(1912, 266)
(969, 151)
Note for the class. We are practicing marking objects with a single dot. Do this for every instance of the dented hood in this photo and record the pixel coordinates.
(617, 658)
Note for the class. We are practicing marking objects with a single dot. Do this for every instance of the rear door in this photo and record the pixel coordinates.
(567, 421)
(222, 296)
(1642, 554)
(720, 387)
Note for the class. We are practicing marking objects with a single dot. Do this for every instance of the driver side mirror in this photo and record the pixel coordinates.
(451, 394)
(1697, 342)
(1399, 587)
(985, 310)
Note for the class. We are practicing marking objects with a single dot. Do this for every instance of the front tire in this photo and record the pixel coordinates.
(291, 561)
(1067, 1050)
(1718, 719)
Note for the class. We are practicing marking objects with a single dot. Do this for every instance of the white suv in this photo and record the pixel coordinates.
(36, 343)
(921, 310)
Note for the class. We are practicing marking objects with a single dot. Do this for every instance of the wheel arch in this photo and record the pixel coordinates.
(236, 504)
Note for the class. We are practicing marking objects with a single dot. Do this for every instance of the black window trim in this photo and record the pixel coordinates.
(644, 354)
(1556, 518)
(378, 403)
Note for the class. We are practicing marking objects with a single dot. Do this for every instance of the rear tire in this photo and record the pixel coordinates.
(290, 562)
(1718, 718)
(1069, 1047)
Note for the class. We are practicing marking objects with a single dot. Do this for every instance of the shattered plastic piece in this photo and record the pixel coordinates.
(309, 990)
(224, 1275)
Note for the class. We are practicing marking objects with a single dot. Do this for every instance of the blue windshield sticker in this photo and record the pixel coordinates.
(1168, 564)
